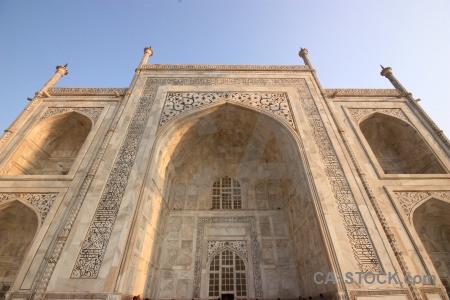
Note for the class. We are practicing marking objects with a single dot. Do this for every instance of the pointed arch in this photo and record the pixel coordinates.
(432, 224)
(398, 147)
(52, 145)
(18, 226)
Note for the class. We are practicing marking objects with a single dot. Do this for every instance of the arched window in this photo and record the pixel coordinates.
(226, 194)
(227, 275)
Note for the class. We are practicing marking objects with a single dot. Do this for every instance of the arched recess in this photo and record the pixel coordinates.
(190, 153)
(52, 146)
(227, 274)
(432, 223)
(18, 226)
(398, 146)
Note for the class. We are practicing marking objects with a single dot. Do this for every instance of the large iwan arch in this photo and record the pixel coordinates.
(257, 150)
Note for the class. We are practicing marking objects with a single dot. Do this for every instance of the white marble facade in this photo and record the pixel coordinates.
(203, 180)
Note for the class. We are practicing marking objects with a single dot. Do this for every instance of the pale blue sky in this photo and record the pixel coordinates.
(103, 42)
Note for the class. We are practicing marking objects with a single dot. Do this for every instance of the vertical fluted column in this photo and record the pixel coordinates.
(147, 53)
(60, 72)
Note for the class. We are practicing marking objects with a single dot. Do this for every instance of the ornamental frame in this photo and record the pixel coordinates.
(94, 246)
(254, 256)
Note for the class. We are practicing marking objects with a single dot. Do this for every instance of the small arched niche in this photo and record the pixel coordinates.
(18, 225)
(52, 146)
(398, 146)
(432, 223)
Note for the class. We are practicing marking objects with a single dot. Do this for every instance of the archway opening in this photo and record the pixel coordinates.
(52, 146)
(18, 225)
(398, 146)
(275, 208)
(432, 223)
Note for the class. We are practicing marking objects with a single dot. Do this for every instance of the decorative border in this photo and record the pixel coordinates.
(86, 91)
(355, 294)
(76, 296)
(91, 112)
(358, 113)
(178, 103)
(409, 199)
(361, 92)
(94, 246)
(225, 67)
(363, 249)
(42, 202)
(199, 250)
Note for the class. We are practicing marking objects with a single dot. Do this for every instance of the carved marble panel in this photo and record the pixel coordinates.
(277, 103)
(408, 199)
(86, 91)
(42, 202)
(358, 113)
(362, 92)
(239, 246)
(91, 112)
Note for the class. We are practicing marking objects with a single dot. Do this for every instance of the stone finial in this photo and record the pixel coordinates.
(60, 72)
(147, 53)
(385, 71)
(303, 52)
(62, 69)
(148, 50)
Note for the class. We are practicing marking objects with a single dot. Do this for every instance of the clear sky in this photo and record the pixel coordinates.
(103, 42)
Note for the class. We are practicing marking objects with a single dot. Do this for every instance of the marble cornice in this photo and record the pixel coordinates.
(193, 67)
(361, 92)
(75, 91)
